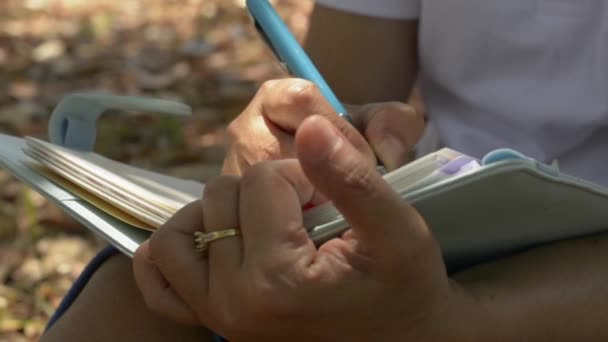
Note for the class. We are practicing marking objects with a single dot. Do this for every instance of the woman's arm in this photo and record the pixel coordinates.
(557, 292)
(364, 59)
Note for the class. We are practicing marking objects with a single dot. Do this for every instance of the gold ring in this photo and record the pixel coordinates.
(202, 240)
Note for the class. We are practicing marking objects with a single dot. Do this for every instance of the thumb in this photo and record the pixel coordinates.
(391, 128)
(374, 211)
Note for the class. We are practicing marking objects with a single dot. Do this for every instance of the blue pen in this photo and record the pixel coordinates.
(289, 52)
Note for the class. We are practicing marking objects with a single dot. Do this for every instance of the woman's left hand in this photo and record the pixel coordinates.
(382, 280)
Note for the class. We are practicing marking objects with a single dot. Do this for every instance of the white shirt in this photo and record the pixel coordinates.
(531, 75)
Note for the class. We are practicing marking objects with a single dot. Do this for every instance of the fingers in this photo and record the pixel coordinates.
(157, 292)
(252, 138)
(272, 195)
(287, 103)
(173, 251)
(374, 211)
(264, 131)
(221, 207)
(392, 129)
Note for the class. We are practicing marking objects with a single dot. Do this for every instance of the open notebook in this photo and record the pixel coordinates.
(477, 209)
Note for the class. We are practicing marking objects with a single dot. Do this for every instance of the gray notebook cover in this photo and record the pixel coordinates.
(125, 237)
(504, 207)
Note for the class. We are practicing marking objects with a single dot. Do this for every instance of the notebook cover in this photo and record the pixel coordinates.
(125, 237)
(499, 209)
(503, 208)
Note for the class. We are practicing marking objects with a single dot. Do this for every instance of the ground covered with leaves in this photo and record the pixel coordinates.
(202, 52)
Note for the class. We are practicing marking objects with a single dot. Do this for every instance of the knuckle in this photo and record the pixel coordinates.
(397, 119)
(234, 130)
(266, 175)
(303, 96)
(271, 150)
(251, 152)
(288, 95)
(394, 109)
(402, 107)
(381, 110)
(236, 133)
(256, 173)
(242, 149)
(409, 112)
(360, 179)
(388, 110)
(268, 87)
(219, 185)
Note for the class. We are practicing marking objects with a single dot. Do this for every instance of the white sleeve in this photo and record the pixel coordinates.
(390, 9)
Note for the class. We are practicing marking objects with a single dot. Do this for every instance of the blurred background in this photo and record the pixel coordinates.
(201, 52)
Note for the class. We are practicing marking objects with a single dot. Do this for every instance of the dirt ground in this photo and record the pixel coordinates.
(201, 52)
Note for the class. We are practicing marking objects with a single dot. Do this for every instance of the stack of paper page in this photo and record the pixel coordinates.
(509, 203)
(147, 200)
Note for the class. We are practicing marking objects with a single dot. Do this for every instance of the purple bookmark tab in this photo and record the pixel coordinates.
(456, 165)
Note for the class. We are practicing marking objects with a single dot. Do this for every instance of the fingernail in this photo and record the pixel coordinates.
(391, 151)
(298, 86)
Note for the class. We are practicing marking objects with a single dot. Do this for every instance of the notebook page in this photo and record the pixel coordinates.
(167, 188)
(99, 203)
(179, 190)
(409, 175)
(402, 180)
(96, 179)
(148, 192)
(83, 183)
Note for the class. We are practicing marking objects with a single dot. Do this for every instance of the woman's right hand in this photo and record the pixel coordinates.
(265, 129)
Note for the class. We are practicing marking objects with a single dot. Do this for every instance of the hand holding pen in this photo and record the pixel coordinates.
(289, 52)
(265, 130)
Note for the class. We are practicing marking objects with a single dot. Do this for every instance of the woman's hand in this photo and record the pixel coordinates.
(383, 280)
(266, 128)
